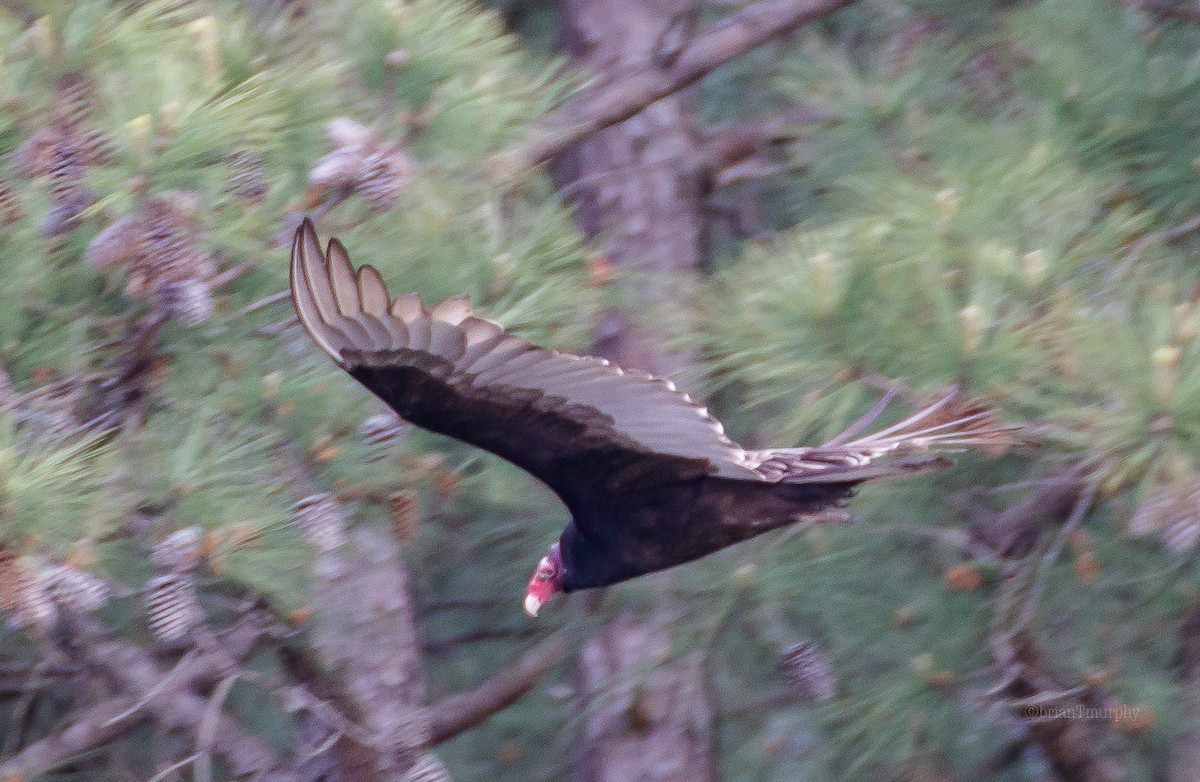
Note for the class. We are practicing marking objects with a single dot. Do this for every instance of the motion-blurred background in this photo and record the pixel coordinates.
(220, 558)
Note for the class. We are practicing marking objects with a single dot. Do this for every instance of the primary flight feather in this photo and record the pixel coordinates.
(650, 478)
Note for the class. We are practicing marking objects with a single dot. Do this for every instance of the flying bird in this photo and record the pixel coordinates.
(650, 478)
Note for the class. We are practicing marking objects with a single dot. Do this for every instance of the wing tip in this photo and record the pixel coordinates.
(328, 294)
(295, 272)
(334, 245)
(305, 232)
(314, 322)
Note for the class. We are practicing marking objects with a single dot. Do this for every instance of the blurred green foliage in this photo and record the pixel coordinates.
(995, 202)
(998, 196)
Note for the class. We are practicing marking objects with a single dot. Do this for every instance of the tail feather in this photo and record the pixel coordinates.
(913, 419)
(949, 423)
(866, 420)
(871, 472)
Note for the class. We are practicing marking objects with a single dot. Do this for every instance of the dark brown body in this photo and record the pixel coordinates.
(663, 526)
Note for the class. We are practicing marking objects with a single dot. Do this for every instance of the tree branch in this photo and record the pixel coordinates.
(94, 727)
(1072, 726)
(1185, 750)
(108, 720)
(131, 670)
(364, 657)
(1169, 10)
(457, 713)
(734, 142)
(613, 100)
(1056, 718)
(1014, 531)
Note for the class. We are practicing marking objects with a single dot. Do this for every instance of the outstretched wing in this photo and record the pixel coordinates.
(579, 424)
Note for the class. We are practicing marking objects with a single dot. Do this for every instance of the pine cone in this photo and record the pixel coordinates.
(344, 165)
(67, 165)
(172, 607)
(48, 411)
(321, 521)
(64, 216)
(167, 264)
(809, 671)
(375, 167)
(188, 300)
(179, 552)
(250, 179)
(75, 589)
(406, 515)
(382, 428)
(341, 168)
(117, 243)
(385, 174)
(33, 605)
(71, 102)
(32, 157)
(167, 247)
(1173, 513)
(10, 205)
(95, 147)
(63, 151)
(427, 769)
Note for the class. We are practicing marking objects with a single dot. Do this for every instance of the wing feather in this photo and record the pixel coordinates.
(305, 295)
(481, 336)
(419, 333)
(397, 333)
(445, 339)
(508, 347)
(514, 371)
(452, 311)
(343, 280)
(407, 307)
(316, 277)
(376, 331)
(373, 292)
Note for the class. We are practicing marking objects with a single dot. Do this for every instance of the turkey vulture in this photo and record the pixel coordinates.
(650, 478)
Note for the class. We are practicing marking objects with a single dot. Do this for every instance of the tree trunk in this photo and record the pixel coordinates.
(639, 187)
(656, 726)
(1185, 755)
(366, 635)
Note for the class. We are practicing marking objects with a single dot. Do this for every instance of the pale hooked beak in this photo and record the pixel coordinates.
(532, 605)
